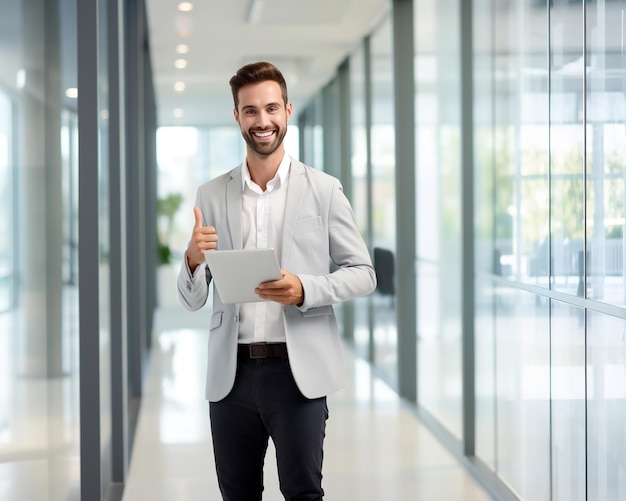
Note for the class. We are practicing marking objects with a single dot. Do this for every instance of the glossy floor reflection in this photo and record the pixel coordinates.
(375, 449)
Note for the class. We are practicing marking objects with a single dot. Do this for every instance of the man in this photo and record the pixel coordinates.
(272, 363)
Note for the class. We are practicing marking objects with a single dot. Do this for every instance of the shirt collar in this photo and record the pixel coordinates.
(276, 182)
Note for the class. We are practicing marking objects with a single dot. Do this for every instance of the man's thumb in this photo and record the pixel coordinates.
(198, 215)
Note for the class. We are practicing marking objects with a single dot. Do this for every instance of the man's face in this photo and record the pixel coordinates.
(262, 116)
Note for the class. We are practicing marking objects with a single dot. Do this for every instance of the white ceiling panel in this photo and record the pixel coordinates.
(306, 40)
(270, 12)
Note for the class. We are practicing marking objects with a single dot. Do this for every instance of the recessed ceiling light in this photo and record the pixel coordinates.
(179, 86)
(72, 92)
(178, 112)
(20, 79)
(185, 6)
(254, 14)
(180, 63)
(182, 48)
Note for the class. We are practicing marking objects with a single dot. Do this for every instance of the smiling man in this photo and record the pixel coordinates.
(272, 363)
(264, 116)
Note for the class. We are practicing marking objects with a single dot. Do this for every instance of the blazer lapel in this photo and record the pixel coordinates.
(234, 198)
(295, 192)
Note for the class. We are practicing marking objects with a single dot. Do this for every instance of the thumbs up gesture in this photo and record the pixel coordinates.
(203, 238)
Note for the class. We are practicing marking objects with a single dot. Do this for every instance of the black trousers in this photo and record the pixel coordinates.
(265, 402)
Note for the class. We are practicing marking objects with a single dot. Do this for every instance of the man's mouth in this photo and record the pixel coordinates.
(263, 134)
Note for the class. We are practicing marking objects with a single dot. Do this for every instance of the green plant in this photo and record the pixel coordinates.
(164, 253)
(166, 209)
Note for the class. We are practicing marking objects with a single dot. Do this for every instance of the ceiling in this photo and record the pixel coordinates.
(307, 40)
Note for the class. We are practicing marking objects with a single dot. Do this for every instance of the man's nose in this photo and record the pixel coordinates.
(264, 119)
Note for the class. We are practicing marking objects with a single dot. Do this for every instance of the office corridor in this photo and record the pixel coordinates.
(376, 449)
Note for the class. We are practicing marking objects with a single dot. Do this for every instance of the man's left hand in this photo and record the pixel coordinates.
(288, 290)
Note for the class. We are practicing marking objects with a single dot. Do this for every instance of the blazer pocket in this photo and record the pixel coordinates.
(308, 224)
(216, 319)
(318, 312)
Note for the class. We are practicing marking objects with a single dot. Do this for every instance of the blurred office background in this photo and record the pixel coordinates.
(482, 144)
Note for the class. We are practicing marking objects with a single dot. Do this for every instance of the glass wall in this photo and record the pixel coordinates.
(567, 148)
(60, 438)
(566, 443)
(360, 173)
(39, 411)
(605, 129)
(104, 251)
(438, 210)
(311, 133)
(549, 216)
(547, 403)
(6, 201)
(485, 289)
(511, 240)
(383, 185)
(605, 162)
(514, 327)
(606, 406)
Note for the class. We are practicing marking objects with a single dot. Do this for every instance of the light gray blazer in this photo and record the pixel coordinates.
(318, 227)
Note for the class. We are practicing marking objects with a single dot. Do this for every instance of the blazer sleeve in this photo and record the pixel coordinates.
(355, 274)
(193, 288)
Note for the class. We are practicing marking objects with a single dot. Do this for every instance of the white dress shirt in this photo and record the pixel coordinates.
(262, 227)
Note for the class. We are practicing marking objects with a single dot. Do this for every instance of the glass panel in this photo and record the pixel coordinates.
(484, 237)
(39, 387)
(69, 155)
(520, 143)
(383, 202)
(104, 250)
(606, 406)
(484, 158)
(531, 184)
(439, 197)
(606, 120)
(523, 392)
(567, 377)
(485, 376)
(359, 186)
(185, 159)
(6, 204)
(567, 145)
(313, 133)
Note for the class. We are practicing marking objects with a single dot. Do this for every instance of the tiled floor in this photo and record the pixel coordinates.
(375, 450)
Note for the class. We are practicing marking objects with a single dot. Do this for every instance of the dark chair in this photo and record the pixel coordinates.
(384, 266)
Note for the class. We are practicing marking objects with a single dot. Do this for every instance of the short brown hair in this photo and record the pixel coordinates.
(254, 73)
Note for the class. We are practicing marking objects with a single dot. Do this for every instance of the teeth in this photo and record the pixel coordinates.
(264, 134)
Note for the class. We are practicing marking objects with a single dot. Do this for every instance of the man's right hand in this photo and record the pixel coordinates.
(203, 238)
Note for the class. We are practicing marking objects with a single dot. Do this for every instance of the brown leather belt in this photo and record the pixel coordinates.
(262, 350)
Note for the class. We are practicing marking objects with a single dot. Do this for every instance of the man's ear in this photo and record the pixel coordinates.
(236, 115)
(289, 110)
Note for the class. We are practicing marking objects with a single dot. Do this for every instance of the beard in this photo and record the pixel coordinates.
(264, 148)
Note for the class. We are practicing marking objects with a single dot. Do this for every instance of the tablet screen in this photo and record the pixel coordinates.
(236, 273)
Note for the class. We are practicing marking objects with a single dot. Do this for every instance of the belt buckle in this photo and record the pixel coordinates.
(251, 348)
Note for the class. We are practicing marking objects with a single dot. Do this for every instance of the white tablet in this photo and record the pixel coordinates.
(236, 273)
